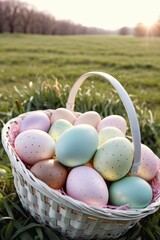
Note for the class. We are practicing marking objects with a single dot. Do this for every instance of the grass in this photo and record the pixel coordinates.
(42, 60)
(133, 61)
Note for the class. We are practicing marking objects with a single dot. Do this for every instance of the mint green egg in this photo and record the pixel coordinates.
(131, 190)
(77, 145)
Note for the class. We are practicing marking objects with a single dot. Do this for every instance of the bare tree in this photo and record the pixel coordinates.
(25, 17)
(47, 23)
(10, 13)
(124, 31)
(1, 16)
(140, 30)
(156, 28)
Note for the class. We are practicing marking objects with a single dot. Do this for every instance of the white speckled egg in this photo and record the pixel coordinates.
(91, 117)
(148, 166)
(86, 184)
(114, 158)
(34, 145)
(113, 121)
(63, 113)
(131, 190)
(77, 145)
(109, 132)
(59, 127)
(35, 120)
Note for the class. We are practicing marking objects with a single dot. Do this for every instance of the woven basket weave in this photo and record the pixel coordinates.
(72, 218)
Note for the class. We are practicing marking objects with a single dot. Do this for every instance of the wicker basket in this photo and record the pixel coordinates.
(72, 218)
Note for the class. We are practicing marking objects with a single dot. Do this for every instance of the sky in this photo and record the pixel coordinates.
(107, 14)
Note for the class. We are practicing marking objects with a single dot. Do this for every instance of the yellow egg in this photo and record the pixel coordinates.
(114, 158)
(59, 127)
(109, 132)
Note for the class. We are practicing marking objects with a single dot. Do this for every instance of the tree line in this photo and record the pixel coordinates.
(20, 17)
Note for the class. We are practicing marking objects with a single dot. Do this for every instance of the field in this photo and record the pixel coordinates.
(35, 69)
(133, 61)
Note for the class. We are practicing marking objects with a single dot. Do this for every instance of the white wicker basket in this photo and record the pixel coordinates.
(72, 218)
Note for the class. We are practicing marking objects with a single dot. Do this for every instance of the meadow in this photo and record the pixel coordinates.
(133, 61)
(37, 72)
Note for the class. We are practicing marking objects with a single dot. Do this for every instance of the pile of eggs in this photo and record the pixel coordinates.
(90, 158)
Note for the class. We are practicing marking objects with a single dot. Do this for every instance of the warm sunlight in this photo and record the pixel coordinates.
(102, 13)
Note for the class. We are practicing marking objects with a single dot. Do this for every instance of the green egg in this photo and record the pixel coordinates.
(59, 127)
(77, 145)
(134, 191)
(114, 158)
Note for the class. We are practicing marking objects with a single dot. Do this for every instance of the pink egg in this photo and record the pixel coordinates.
(113, 121)
(34, 145)
(158, 172)
(86, 184)
(91, 117)
(63, 113)
(148, 167)
(35, 120)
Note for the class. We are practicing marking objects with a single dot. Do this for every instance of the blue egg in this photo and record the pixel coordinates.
(131, 190)
(77, 145)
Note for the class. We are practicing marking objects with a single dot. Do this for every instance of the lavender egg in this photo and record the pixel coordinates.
(35, 120)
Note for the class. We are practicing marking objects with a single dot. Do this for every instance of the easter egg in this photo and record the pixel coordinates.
(86, 184)
(58, 127)
(109, 132)
(157, 177)
(63, 113)
(114, 158)
(77, 145)
(148, 164)
(131, 190)
(35, 120)
(113, 121)
(34, 145)
(50, 171)
(91, 117)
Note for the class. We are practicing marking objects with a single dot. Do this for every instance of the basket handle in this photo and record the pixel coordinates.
(132, 116)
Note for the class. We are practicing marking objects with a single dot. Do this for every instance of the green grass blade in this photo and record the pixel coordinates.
(39, 233)
(8, 209)
(9, 230)
(24, 229)
(51, 234)
(2, 219)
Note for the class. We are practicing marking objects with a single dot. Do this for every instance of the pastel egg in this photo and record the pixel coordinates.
(59, 127)
(77, 145)
(63, 113)
(86, 184)
(131, 190)
(113, 121)
(35, 120)
(157, 177)
(114, 158)
(148, 165)
(108, 133)
(34, 145)
(50, 171)
(90, 117)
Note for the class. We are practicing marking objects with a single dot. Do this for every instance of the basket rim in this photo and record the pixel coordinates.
(65, 200)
